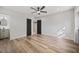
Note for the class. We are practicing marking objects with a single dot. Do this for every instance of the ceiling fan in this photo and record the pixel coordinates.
(39, 10)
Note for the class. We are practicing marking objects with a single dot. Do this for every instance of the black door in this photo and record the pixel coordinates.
(38, 26)
(28, 27)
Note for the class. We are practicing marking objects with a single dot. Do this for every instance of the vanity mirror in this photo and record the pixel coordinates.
(3, 22)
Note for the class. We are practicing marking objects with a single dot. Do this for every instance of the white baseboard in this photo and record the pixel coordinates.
(12, 38)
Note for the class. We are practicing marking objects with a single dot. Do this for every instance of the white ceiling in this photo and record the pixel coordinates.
(28, 10)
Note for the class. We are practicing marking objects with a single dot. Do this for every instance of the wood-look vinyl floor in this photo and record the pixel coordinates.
(38, 44)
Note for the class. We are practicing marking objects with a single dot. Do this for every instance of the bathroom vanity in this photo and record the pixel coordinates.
(4, 33)
(4, 28)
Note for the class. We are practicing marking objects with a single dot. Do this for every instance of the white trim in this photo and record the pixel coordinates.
(18, 37)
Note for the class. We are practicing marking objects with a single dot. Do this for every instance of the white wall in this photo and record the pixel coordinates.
(17, 23)
(17, 26)
(52, 23)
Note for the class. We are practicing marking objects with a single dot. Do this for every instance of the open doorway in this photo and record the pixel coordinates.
(36, 27)
(28, 27)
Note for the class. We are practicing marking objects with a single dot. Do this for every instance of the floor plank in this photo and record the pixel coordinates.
(38, 44)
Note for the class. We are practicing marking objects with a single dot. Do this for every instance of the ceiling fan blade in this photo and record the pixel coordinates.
(38, 8)
(33, 8)
(43, 11)
(42, 7)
